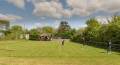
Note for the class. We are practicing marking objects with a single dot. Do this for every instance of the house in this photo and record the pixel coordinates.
(45, 37)
(25, 36)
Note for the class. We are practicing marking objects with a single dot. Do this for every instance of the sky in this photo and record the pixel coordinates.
(38, 13)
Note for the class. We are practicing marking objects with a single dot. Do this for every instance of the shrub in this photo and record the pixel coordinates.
(34, 37)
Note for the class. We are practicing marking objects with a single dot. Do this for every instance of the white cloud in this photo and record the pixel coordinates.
(40, 24)
(37, 25)
(48, 9)
(87, 7)
(110, 5)
(52, 8)
(103, 19)
(18, 3)
(9, 17)
(78, 7)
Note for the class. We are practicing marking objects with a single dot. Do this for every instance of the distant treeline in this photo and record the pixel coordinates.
(94, 32)
(17, 32)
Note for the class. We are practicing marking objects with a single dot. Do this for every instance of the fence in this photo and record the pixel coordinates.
(109, 46)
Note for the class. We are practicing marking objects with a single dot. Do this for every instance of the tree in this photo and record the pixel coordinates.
(113, 30)
(64, 30)
(79, 35)
(14, 32)
(92, 31)
(47, 29)
(64, 27)
(4, 24)
(34, 32)
(101, 34)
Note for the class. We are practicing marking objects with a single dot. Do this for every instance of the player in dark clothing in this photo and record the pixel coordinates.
(63, 41)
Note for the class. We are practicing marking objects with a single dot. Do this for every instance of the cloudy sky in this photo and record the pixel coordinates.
(38, 13)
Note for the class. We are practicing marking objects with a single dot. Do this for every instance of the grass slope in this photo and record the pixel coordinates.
(23, 52)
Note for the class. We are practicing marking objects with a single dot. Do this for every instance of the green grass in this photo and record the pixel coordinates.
(21, 52)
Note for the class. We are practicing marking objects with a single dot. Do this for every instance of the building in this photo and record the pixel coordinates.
(45, 37)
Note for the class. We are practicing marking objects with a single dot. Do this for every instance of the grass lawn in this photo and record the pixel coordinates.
(23, 52)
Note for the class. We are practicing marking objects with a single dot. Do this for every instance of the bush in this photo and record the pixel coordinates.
(77, 38)
(34, 37)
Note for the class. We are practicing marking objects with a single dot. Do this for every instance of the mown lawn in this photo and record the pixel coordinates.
(21, 52)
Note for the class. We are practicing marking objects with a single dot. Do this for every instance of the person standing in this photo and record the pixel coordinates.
(63, 41)
(109, 47)
(83, 41)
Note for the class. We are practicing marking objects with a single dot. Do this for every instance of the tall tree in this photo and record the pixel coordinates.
(64, 30)
(34, 32)
(92, 30)
(4, 24)
(113, 30)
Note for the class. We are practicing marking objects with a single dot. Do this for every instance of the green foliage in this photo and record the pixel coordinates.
(92, 31)
(76, 38)
(34, 32)
(47, 29)
(64, 27)
(113, 30)
(5, 23)
(89, 33)
(33, 37)
(97, 32)
(14, 33)
(64, 30)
